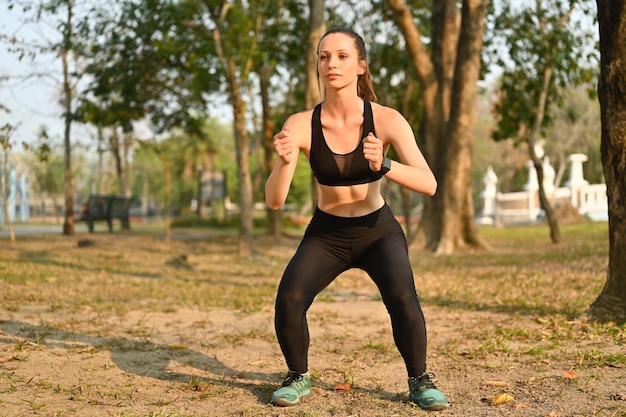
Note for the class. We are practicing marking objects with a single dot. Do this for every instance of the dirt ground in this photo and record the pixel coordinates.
(191, 367)
(222, 362)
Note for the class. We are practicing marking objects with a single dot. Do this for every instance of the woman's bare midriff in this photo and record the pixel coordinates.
(350, 201)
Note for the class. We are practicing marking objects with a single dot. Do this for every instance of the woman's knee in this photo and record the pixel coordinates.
(291, 303)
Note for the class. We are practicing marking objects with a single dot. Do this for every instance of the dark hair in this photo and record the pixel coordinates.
(365, 87)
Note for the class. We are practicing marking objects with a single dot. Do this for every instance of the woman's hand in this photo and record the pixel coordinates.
(373, 152)
(284, 146)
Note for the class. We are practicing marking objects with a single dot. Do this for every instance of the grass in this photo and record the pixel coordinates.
(521, 271)
(128, 271)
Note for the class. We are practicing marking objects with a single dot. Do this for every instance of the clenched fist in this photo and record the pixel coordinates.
(373, 152)
(284, 146)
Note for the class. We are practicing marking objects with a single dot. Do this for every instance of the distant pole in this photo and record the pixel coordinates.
(12, 198)
(24, 200)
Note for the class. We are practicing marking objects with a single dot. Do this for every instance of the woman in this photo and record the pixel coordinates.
(346, 138)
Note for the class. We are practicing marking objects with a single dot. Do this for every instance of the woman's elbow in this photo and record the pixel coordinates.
(273, 202)
(273, 205)
(433, 188)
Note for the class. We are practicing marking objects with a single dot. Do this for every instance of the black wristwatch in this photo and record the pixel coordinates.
(386, 166)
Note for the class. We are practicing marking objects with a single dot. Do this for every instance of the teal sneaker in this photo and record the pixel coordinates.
(294, 387)
(425, 393)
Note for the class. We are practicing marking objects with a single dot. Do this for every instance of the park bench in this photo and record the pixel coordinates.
(106, 207)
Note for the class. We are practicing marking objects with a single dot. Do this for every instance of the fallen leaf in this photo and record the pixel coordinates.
(521, 405)
(502, 399)
(178, 347)
(552, 414)
(570, 375)
(343, 386)
(12, 358)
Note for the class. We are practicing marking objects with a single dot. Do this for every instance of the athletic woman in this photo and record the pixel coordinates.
(346, 138)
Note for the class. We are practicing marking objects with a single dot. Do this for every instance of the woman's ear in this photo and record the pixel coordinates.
(362, 67)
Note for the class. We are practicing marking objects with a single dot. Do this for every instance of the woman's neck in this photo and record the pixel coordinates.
(339, 105)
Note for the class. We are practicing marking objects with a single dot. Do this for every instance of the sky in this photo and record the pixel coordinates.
(31, 102)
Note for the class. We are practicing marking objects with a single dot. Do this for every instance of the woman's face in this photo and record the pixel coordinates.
(338, 61)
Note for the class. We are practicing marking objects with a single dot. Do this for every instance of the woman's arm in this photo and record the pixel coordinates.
(412, 171)
(287, 150)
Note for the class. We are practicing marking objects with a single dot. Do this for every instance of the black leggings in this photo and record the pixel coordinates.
(331, 245)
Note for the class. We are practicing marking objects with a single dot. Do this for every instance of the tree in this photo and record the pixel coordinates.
(141, 71)
(48, 169)
(611, 303)
(150, 66)
(575, 128)
(544, 53)
(317, 27)
(448, 78)
(73, 31)
(278, 45)
(236, 56)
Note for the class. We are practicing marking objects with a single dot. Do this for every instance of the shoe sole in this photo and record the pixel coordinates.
(434, 407)
(284, 403)
(437, 407)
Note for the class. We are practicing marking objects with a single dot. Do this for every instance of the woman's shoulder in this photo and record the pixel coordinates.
(301, 116)
(299, 124)
(385, 111)
(300, 120)
(386, 116)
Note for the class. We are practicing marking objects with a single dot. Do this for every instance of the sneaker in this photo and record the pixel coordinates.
(425, 393)
(293, 388)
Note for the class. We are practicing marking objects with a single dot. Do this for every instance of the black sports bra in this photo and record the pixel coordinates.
(340, 169)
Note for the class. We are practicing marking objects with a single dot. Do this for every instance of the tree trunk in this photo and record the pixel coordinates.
(611, 303)
(274, 216)
(246, 224)
(431, 129)
(544, 202)
(553, 222)
(117, 157)
(100, 172)
(460, 136)
(68, 224)
(317, 27)
(237, 77)
(167, 196)
(128, 143)
(446, 132)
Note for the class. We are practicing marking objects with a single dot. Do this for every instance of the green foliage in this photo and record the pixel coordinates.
(300, 191)
(5, 136)
(529, 41)
(48, 174)
(210, 149)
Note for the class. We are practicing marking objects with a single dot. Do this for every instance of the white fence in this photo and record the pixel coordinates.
(589, 200)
